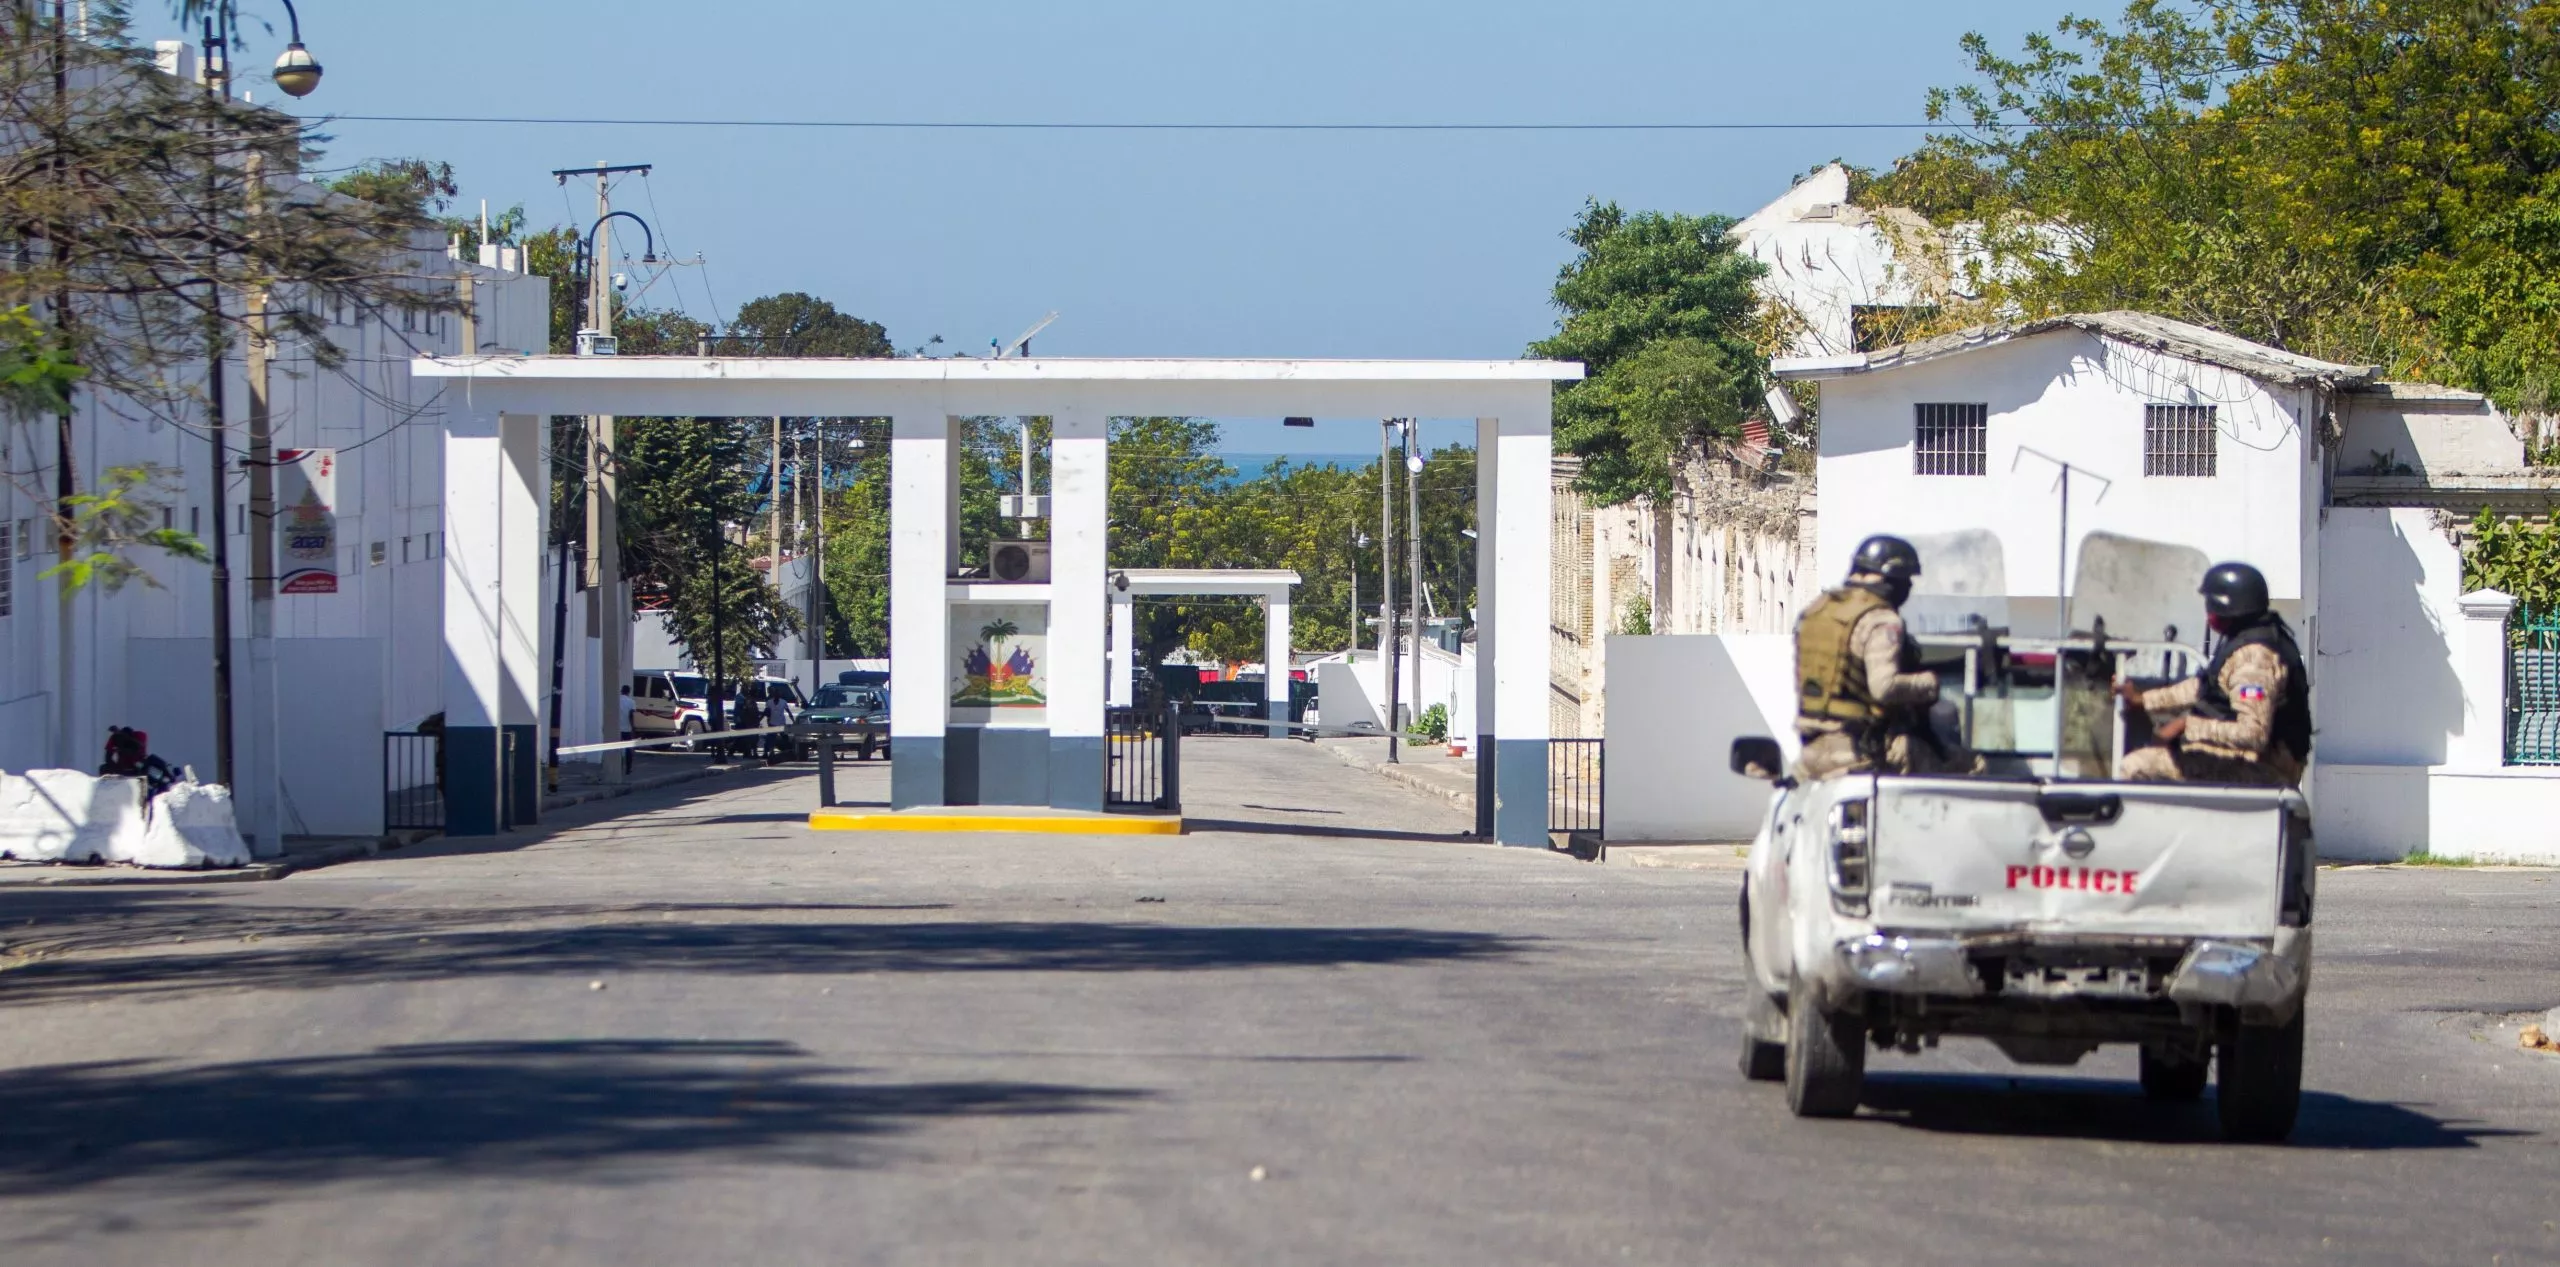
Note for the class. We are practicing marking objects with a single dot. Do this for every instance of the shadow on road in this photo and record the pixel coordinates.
(2083, 1108)
(46, 923)
(361, 947)
(1251, 827)
(474, 1109)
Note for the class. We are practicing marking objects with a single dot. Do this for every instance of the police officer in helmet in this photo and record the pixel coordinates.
(1862, 698)
(2247, 717)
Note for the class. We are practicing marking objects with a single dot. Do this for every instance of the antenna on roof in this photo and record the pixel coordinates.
(1021, 346)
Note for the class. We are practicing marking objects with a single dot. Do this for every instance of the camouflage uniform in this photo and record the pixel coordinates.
(2244, 750)
(1829, 746)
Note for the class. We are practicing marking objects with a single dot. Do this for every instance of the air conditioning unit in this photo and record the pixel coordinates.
(1018, 562)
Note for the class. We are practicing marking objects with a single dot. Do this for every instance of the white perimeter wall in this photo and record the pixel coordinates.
(1676, 704)
(2409, 705)
(2386, 688)
(329, 694)
(2078, 397)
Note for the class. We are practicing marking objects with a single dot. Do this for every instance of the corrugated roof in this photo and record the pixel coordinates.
(2141, 329)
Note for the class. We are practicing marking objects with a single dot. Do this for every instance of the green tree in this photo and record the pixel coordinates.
(684, 486)
(2365, 180)
(135, 209)
(795, 324)
(420, 187)
(1660, 309)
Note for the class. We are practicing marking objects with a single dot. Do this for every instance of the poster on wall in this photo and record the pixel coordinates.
(998, 674)
(307, 521)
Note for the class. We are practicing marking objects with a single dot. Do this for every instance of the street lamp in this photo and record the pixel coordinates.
(592, 340)
(297, 72)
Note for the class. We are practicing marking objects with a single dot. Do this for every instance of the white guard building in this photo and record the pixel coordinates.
(1000, 685)
(2186, 447)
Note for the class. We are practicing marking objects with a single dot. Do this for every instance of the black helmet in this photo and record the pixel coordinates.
(1889, 557)
(2234, 591)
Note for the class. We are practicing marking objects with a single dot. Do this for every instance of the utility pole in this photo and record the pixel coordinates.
(773, 500)
(1413, 544)
(612, 611)
(817, 637)
(65, 478)
(217, 429)
(718, 696)
(262, 798)
(1387, 641)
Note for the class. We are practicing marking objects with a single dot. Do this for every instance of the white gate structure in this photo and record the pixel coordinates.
(991, 721)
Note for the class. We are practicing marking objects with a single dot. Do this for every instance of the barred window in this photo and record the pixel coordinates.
(2179, 440)
(1951, 440)
(8, 571)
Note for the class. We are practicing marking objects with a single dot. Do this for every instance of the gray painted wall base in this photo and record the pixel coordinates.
(523, 775)
(1520, 785)
(987, 766)
(915, 772)
(1076, 771)
(471, 805)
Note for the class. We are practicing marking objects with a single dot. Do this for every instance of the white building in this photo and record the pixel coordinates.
(351, 664)
(2186, 446)
(1836, 268)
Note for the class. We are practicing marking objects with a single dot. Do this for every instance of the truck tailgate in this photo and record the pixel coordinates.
(2088, 858)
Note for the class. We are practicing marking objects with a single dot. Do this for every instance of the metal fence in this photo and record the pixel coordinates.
(412, 780)
(1573, 787)
(1143, 767)
(2533, 687)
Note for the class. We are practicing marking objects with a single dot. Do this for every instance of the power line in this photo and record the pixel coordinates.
(1013, 125)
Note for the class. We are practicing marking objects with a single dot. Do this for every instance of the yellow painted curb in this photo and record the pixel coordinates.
(1055, 825)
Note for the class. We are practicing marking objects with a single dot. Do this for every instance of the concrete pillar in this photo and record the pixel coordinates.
(1124, 650)
(1275, 662)
(2480, 663)
(1079, 603)
(524, 518)
(1488, 584)
(475, 472)
(923, 507)
(1522, 457)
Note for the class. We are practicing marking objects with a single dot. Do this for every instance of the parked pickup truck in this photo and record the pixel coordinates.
(2041, 905)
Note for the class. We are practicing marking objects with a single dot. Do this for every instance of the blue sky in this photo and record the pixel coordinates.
(1147, 244)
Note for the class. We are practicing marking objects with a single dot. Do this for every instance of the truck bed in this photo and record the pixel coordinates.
(1982, 856)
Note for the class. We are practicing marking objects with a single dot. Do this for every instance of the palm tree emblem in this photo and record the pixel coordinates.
(995, 632)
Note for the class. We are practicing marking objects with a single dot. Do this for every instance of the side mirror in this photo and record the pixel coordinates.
(1758, 757)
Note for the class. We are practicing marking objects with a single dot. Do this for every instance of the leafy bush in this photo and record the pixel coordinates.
(2515, 557)
(1432, 726)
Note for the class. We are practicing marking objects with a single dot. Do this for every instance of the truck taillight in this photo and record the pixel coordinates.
(1852, 849)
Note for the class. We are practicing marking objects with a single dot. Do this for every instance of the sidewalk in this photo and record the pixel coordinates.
(305, 853)
(1697, 857)
(1425, 768)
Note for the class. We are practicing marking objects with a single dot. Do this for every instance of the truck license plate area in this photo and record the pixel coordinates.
(2024, 979)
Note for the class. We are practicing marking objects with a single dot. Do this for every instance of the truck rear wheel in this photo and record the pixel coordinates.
(1764, 1029)
(1826, 1057)
(2259, 1081)
(2173, 1075)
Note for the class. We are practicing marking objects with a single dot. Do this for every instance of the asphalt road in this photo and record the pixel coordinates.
(1318, 1033)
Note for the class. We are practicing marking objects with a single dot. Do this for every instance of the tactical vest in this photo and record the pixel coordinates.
(1831, 679)
(2293, 711)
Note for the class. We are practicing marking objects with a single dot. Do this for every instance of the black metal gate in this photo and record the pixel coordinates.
(412, 781)
(1574, 784)
(1143, 766)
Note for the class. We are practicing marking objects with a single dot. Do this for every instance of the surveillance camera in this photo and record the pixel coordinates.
(622, 281)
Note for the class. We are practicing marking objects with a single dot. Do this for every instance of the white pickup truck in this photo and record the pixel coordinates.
(2039, 907)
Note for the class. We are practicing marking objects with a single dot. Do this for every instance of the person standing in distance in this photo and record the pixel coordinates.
(628, 733)
(2247, 716)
